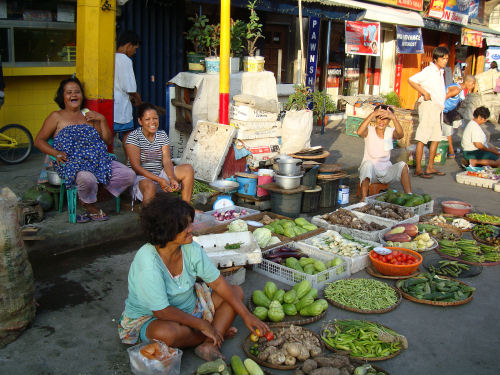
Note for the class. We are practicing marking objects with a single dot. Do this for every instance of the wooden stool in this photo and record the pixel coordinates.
(373, 189)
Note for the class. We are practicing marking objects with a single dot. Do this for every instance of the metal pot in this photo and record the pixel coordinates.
(287, 182)
(53, 177)
(288, 166)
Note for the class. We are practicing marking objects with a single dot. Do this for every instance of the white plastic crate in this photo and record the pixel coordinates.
(463, 178)
(381, 220)
(357, 263)
(423, 209)
(290, 276)
(356, 233)
(238, 209)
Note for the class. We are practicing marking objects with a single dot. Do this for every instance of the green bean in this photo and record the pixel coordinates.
(201, 187)
(363, 294)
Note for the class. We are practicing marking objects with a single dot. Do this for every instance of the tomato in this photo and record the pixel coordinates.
(374, 255)
(254, 338)
(269, 336)
(395, 253)
(393, 261)
(389, 257)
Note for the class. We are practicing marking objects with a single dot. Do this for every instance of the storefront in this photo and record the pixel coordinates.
(38, 49)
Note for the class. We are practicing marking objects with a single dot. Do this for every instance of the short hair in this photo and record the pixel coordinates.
(469, 77)
(439, 52)
(128, 37)
(481, 111)
(164, 218)
(493, 65)
(59, 99)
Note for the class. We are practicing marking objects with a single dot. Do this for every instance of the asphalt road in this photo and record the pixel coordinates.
(81, 296)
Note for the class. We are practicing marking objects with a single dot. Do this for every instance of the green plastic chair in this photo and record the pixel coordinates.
(71, 195)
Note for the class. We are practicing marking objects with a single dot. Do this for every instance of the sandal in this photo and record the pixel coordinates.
(423, 175)
(437, 173)
(451, 156)
(82, 218)
(101, 216)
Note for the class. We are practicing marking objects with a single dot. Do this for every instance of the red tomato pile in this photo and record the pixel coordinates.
(396, 257)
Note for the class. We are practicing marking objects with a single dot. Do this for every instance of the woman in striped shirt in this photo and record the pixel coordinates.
(148, 151)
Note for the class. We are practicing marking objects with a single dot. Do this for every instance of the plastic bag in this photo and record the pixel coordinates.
(168, 360)
(296, 131)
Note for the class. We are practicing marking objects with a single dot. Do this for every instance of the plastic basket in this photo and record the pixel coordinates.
(426, 208)
(380, 220)
(463, 178)
(290, 276)
(357, 263)
(238, 209)
(360, 234)
(352, 125)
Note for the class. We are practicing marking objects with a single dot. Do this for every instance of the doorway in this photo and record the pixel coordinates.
(276, 40)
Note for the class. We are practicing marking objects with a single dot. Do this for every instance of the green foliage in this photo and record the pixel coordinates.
(322, 103)
(213, 41)
(299, 99)
(238, 35)
(254, 29)
(199, 33)
(392, 99)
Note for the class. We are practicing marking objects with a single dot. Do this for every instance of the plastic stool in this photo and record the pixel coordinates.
(373, 189)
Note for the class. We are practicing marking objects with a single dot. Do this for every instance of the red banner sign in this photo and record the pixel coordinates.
(407, 4)
(362, 38)
(399, 74)
(472, 38)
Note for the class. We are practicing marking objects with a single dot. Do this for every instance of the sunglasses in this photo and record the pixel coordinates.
(383, 106)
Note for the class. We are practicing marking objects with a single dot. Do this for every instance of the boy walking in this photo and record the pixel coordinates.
(474, 143)
(430, 84)
(125, 87)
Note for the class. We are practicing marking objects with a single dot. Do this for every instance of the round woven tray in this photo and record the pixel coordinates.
(247, 343)
(479, 239)
(436, 303)
(480, 222)
(432, 247)
(353, 309)
(465, 261)
(374, 359)
(427, 217)
(433, 260)
(373, 271)
(289, 319)
(446, 228)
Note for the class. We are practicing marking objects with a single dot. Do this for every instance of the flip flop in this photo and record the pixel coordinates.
(423, 175)
(451, 156)
(82, 218)
(437, 173)
(101, 216)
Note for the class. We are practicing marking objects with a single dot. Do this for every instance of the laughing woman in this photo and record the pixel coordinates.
(164, 300)
(149, 154)
(79, 147)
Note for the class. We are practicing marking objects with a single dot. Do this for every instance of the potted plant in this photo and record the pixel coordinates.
(322, 104)
(252, 63)
(199, 36)
(237, 36)
(299, 100)
(212, 62)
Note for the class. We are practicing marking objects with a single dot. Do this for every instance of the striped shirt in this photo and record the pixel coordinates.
(151, 154)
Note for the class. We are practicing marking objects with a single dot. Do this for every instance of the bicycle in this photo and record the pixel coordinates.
(16, 144)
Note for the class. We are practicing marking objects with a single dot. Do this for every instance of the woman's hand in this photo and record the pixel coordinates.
(61, 157)
(164, 185)
(93, 116)
(174, 184)
(253, 323)
(208, 330)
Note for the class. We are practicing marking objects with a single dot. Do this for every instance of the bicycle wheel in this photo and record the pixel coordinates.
(23, 148)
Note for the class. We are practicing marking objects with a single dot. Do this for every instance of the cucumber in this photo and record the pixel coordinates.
(211, 367)
(252, 367)
(238, 367)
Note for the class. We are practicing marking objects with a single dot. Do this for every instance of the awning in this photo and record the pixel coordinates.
(484, 29)
(379, 13)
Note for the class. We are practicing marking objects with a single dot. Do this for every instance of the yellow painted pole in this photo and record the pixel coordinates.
(95, 53)
(225, 26)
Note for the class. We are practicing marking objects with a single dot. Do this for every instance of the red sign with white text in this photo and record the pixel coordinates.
(362, 38)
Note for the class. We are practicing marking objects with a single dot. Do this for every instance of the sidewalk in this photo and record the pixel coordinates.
(61, 236)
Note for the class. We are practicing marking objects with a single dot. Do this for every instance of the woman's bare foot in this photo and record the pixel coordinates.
(231, 331)
(92, 209)
(208, 351)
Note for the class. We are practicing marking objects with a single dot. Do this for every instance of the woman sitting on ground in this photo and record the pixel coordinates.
(149, 156)
(165, 302)
(80, 140)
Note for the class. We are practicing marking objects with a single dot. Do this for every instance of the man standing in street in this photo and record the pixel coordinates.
(125, 87)
(430, 84)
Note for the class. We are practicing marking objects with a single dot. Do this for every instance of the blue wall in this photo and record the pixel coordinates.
(160, 25)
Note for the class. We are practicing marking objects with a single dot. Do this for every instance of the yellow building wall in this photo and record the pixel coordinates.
(30, 98)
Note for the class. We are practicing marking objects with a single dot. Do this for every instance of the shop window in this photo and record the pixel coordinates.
(4, 45)
(42, 45)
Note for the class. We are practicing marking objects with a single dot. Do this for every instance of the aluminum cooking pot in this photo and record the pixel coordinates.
(288, 182)
(288, 166)
(53, 177)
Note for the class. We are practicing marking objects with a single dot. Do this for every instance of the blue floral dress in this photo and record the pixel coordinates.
(86, 151)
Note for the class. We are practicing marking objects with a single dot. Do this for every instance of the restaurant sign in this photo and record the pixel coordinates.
(456, 11)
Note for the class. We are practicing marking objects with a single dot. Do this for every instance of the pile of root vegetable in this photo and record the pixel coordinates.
(346, 218)
(290, 345)
(335, 364)
(390, 211)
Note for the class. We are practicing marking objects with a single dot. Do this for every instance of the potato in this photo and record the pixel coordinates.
(315, 351)
(289, 360)
(304, 354)
(277, 358)
(292, 348)
(309, 365)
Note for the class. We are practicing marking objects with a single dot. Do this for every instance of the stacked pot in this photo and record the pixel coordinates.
(289, 172)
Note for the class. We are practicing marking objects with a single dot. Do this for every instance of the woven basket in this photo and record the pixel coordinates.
(426, 218)
(435, 303)
(446, 228)
(465, 261)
